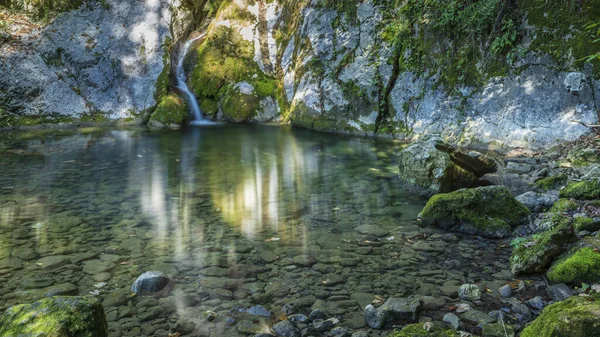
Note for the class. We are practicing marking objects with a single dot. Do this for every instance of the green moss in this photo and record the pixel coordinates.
(163, 80)
(239, 107)
(536, 252)
(417, 330)
(171, 110)
(580, 266)
(42, 9)
(551, 183)
(574, 317)
(586, 224)
(583, 190)
(489, 211)
(564, 205)
(56, 317)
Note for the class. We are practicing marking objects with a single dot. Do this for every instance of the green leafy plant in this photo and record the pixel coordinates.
(594, 28)
(506, 40)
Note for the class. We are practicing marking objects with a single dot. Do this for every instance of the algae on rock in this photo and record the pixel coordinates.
(582, 190)
(56, 317)
(489, 211)
(170, 112)
(579, 266)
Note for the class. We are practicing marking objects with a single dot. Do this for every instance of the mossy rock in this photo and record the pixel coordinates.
(553, 182)
(564, 205)
(584, 155)
(171, 111)
(573, 317)
(417, 330)
(583, 190)
(240, 105)
(56, 317)
(489, 211)
(580, 266)
(586, 224)
(534, 254)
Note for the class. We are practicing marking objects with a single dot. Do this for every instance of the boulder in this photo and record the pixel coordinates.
(537, 202)
(430, 166)
(582, 190)
(489, 211)
(579, 266)
(573, 317)
(149, 282)
(394, 310)
(56, 316)
(534, 254)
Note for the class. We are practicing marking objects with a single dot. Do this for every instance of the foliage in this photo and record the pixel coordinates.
(594, 28)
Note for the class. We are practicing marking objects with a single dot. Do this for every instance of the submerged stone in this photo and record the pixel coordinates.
(489, 211)
(56, 317)
(535, 253)
(574, 317)
(394, 310)
(150, 281)
(470, 292)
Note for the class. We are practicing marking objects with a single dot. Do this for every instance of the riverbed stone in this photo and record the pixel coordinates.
(477, 317)
(394, 310)
(56, 316)
(372, 230)
(489, 211)
(452, 320)
(470, 292)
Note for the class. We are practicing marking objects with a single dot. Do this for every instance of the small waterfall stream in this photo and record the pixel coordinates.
(197, 118)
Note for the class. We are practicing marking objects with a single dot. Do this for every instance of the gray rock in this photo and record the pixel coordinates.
(324, 325)
(150, 281)
(339, 332)
(537, 303)
(469, 292)
(505, 290)
(394, 310)
(452, 320)
(373, 317)
(477, 317)
(537, 202)
(559, 292)
(286, 329)
(317, 314)
(259, 310)
(248, 327)
(574, 82)
(519, 168)
(372, 230)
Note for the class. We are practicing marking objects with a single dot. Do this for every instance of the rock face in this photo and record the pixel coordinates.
(394, 310)
(56, 316)
(98, 62)
(574, 317)
(149, 282)
(431, 166)
(489, 211)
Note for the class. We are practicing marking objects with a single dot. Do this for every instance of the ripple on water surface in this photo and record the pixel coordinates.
(235, 215)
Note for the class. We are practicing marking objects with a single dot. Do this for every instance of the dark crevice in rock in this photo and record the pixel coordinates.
(384, 116)
(263, 37)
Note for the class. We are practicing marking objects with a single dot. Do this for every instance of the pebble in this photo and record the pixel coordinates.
(505, 290)
(452, 320)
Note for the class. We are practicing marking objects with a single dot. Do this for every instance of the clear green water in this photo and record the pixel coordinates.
(236, 215)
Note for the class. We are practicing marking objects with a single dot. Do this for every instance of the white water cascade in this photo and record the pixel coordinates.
(197, 118)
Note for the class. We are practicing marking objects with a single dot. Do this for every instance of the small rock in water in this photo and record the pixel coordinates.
(209, 315)
(288, 309)
(286, 329)
(324, 325)
(560, 292)
(298, 318)
(360, 334)
(317, 314)
(150, 281)
(259, 310)
(536, 303)
(339, 332)
(452, 320)
(374, 317)
(505, 290)
(469, 292)
(397, 310)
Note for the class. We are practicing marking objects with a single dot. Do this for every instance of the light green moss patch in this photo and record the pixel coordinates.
(586, 224)
(564, 205)
(574, 317)
(551, 183)
(583, 190)
(172, 110)
(581, 266)
(239, 107)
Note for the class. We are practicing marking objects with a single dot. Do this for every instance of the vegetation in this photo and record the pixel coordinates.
(583, 190)
(580, 266)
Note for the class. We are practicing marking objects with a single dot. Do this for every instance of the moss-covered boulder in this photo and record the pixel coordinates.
(564, 205)
(552, 182)
(489, 211)
(582, 190)
(171, 112)
(240, 103)
(583, 155)
(418, 330)
(534, 254)
(56, 317)
(586, 224)
(579, 266)
(574, 317)
(431, 166)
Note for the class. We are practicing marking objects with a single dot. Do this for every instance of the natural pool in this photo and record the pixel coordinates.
(236, 215)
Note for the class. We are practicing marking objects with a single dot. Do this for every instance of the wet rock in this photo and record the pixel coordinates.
(522, 310)
(372, 230)
(53, 262)
(63, 289)
(248, 327)
(259, 310)
(536, 253)
(277, 289)
(317, 314)
(149, 282)
(505, 290)
(56, 316)
(452, 320)
(268, 256)
(209, 315)
(537, 202)
(537, 303)
(430, 166)
(394, 310)
(362, 299)
(298, 318)
(36, 282)
(469, 292)
(559, 292)
(573, 317)
(333, 279)
(489, 211)
(339, 332)
(184, 326)
(285, 329)
(321, 325)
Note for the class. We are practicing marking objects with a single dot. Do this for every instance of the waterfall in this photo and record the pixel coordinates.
(182, 85)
